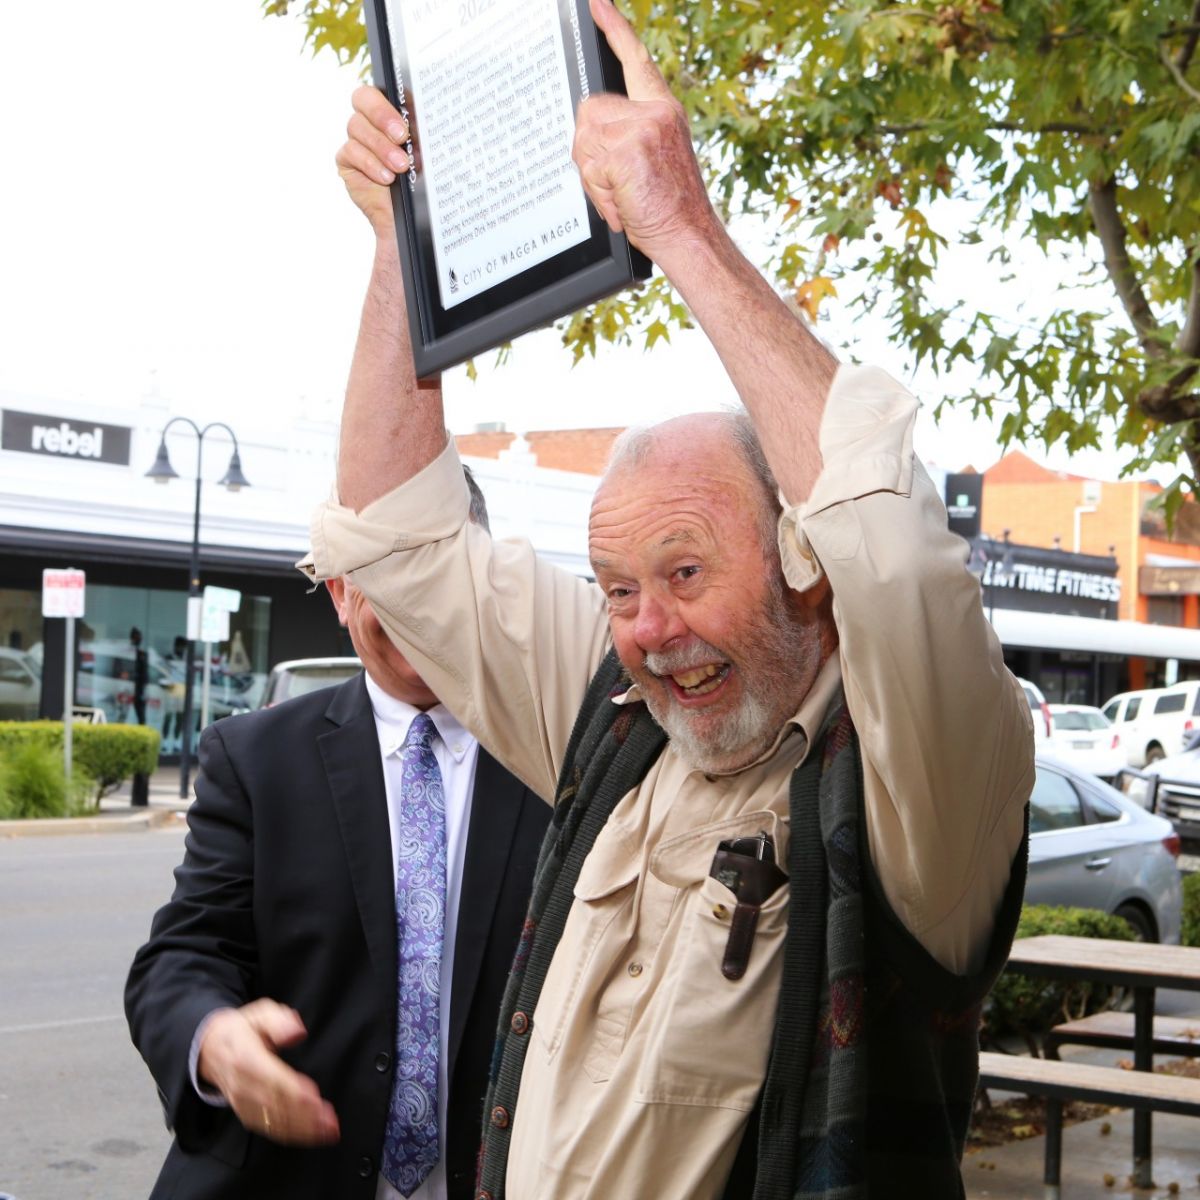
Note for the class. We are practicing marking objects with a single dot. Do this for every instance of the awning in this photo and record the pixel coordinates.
(1052, 631)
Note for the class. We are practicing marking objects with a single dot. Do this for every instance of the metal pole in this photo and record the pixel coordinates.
(206, 693)
(185, 747)
(68, 698)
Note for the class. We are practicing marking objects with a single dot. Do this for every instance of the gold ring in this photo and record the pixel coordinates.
(266, 1119)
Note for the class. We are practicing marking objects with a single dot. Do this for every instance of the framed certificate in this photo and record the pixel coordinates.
(496, 235)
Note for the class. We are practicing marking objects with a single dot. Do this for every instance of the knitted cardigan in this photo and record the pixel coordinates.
(874, 1057)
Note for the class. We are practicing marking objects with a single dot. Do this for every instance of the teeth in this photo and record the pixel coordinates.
(689, 679)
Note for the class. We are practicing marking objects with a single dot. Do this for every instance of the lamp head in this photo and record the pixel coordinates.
(162, 471)
(233, 478)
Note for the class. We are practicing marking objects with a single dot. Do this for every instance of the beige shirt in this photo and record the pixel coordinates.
(643, 1059)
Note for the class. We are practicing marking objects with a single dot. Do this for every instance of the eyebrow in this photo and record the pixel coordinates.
(675, 537)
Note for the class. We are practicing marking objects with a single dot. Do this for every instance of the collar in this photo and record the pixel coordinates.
(393, 717)
(807, 718)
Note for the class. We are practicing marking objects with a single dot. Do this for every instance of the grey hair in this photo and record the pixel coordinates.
(633, 446)
(477, 513)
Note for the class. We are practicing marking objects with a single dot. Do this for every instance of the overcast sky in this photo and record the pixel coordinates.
(172, 222)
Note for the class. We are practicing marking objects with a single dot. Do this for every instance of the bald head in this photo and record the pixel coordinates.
(683, 445)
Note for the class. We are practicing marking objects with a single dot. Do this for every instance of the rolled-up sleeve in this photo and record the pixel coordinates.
(946, 736)
(506, 641)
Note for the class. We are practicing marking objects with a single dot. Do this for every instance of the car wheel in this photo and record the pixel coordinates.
(1154, 753)
(1143, 928)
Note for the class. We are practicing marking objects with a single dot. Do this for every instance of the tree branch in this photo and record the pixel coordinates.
(1184, 57)
(1102, 199)
(1176, 73)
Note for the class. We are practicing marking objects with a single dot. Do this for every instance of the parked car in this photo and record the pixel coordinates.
(20, 685)
(1084, 737)
(1039, 709)
(1093, 847)
(1177, 796)
(299, 676)
(1155, 722)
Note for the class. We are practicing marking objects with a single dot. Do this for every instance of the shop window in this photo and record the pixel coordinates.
(20, 654)
(132, 660)
(1164, 610)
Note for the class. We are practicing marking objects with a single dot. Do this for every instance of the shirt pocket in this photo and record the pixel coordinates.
(603, 893)
(711, 1036)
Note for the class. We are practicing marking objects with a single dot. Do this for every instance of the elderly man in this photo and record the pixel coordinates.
(787, 852)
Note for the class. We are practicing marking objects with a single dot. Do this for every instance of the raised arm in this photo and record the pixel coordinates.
(636, 159)
(392, 424)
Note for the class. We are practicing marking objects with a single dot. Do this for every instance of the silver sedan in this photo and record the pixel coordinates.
(1092, 847)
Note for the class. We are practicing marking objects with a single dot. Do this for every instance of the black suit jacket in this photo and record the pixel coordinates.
(286, 891)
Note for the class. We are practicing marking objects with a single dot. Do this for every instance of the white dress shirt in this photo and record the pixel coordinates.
(456, 752)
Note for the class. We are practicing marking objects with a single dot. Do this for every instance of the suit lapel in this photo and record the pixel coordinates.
(350, 752)
(495, 807)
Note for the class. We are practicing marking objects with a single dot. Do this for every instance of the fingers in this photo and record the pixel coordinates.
(237, 1055)
(643, 80)
(378, 138)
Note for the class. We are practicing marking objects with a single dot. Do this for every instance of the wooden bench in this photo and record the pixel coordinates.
(1058, 1081)
(1114, 1030)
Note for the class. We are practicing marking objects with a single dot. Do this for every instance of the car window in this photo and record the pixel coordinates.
(13, 672)
(1196, 705)
(1080, 720)
(1110, 710)
(1170, 704)
(1031, 699)
(1102, 810)
(1132, 710)
(1054, 804)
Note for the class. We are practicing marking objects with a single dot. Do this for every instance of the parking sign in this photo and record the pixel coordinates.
(62, 593)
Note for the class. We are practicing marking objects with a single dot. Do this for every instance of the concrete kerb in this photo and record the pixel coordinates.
(116, 814)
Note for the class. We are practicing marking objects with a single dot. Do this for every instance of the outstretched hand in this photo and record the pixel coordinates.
(635, 155)
(238, 1057)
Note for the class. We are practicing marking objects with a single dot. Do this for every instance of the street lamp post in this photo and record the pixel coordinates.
(234, 480)
(987, 553)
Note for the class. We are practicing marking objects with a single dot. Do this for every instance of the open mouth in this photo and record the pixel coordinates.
(700, 681)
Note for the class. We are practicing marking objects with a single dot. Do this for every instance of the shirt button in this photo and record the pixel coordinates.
(520, 1023)
(483, 1196)
(383, 1060)
(500, 1117)
(366, 1168)
(635, 969)
(720, 912)
(457, 748)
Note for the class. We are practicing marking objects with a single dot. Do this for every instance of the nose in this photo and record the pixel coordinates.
(659, 622)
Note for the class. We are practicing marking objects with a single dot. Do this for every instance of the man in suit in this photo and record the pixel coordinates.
(265, 1002)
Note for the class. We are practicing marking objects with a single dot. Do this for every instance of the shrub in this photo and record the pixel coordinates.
(107, 754)
(1029, 1007)
(32, 783)
(1191, 910)
(110, 754)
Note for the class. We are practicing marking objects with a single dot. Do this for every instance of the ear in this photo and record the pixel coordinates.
(812, 598)
(337, 593)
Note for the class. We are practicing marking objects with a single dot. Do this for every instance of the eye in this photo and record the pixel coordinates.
(683, 574)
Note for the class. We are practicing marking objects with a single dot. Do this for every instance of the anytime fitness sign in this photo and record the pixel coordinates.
(37, 433)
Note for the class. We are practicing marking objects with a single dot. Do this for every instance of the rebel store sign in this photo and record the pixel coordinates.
(38, 433)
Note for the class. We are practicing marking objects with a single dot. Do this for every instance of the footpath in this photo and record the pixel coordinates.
(117, 812)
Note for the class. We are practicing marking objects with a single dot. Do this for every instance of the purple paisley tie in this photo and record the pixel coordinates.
(410, 1145)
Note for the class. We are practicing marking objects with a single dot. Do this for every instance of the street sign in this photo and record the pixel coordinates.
(223, 599)
(218, 603)
(62, 593)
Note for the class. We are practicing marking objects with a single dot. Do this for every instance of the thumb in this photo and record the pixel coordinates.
(643, 80)
(277, 1024)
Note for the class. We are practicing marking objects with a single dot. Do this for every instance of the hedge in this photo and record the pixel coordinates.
(1191, 910)
(107, 754)
(32, 784)
(1028, 1007)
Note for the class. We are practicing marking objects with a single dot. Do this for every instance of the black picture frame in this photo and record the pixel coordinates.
(601, 264)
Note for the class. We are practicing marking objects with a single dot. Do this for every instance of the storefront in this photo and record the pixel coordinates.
(74, 493)
(1056, 615)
